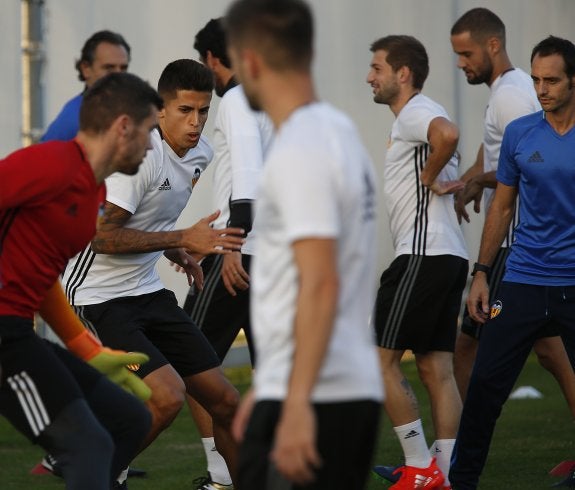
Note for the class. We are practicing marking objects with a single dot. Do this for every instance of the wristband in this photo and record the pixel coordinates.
(477, 267)
(85, 345)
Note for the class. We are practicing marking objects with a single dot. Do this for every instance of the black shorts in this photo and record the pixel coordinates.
(154, 324)
(418, 303)
(346, 435)
(217, 313)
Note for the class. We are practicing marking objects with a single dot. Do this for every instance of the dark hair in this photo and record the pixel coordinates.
(557, 45)
(281, 30)
(481, 23)
(89, 49)
(114, 95)
(407, 51)
(185, 74)
(212, 37)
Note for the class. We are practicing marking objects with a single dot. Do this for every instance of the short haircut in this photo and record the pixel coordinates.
(403, 50)
(557, 45)
(89, 49)
(114, 95)
(481, 23)
(212, 37)
(280, 30)
(184, 74)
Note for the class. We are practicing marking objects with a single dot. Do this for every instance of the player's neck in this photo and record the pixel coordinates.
(501, 66)
(296, 91)
(402, 100)
(562, 120)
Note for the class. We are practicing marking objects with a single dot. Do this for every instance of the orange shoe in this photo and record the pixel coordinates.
(413, 478)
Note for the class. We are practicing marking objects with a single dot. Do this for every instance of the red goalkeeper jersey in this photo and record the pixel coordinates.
(49, 203)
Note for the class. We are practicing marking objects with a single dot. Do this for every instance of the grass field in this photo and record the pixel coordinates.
(531, 437)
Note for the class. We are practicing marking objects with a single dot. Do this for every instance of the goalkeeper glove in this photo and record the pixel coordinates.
(111, 363)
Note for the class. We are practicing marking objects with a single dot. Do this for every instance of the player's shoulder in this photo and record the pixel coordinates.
(522, 126)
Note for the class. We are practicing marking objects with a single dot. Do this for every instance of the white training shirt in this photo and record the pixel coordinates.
(421, 222)
(512, 96)
(241, 139)
(155, 196)
(317, 182)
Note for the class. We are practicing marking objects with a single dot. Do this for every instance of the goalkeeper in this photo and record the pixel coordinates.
(50, 195)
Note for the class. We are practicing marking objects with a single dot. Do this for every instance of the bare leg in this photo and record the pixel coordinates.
(436, 373)
(463, 360)
(220, 399)
(553, 357)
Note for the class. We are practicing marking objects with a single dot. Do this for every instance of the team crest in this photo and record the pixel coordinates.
(495, 309)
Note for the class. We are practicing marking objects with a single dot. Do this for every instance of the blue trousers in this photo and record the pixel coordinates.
(518, 315)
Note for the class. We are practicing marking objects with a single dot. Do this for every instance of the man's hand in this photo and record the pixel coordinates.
(442, 187)
(473, 191)
(294, 453)
(478, 298)
(233, 273)
(112, 364)
(202, 239)
(185, 262)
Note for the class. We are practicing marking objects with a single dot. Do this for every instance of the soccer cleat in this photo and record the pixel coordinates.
(136, 473)
(413, 478)
(568, 482)
(206, 483)
(48, 466)
(387, 472)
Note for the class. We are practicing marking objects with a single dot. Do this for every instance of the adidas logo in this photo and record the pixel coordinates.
(421, 481)
(410, 434)
(165, 186)
(536, 158)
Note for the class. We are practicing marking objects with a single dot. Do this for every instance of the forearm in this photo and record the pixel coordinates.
(129, 240)
(443, 137)
(496, 227)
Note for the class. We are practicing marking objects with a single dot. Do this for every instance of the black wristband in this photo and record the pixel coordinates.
(477, 267)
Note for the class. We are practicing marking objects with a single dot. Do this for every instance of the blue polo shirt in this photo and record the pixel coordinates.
(67, 122)
(541, 163)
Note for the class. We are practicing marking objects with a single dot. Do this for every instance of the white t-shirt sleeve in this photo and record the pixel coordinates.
(245, 146)
(414, 121)
(306, 192)
(127, 191)
(510, 103)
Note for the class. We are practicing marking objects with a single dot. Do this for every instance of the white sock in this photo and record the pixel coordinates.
(412, 440)
(216, 464)
(443, 450)
(432, 449)
(123, 476)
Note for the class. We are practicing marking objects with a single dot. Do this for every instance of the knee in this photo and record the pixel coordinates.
(224, 410)
(165, 405)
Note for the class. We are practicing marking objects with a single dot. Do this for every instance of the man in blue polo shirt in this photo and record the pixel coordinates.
(104, 52)
(536, 163)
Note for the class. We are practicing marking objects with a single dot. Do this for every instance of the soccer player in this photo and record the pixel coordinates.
(114, 285)
(536, 164)
(103, 53)
(50, 196)
(478, 38)
(312, 272)
(420, 293)
(221, 308)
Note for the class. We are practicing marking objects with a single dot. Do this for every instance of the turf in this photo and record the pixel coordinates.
(532, 436)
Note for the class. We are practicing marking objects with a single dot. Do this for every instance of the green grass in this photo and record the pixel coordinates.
(531, 437)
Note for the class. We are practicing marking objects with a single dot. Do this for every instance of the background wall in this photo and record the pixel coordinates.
(160, 32)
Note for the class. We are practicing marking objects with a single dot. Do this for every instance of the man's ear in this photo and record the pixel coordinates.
(211, 61)
(122, 125)
(404, 73)
(253, 62)
(494, 45)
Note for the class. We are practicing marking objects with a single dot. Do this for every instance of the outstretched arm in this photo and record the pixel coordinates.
(56, 311)
(114, 237)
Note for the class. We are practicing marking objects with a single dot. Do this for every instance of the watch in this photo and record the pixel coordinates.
(477, 267)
